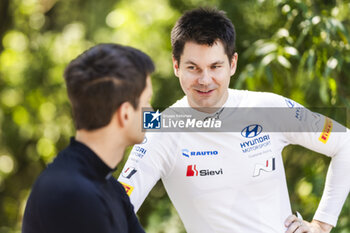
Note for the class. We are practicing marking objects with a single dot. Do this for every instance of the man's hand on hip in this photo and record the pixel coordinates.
(297, 225)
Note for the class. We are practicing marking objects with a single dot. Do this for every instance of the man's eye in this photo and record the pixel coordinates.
(191, 67)
(215, 67)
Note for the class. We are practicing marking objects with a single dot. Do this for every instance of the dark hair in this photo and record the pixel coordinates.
(101, 79)
(203, 26)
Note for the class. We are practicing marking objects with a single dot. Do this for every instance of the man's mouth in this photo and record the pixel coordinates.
(204, 92)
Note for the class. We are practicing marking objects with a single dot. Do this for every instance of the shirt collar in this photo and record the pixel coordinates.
(91, 159)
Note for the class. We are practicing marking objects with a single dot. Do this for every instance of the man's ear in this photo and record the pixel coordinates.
(124, 114)
(176, 67)
(234, 64)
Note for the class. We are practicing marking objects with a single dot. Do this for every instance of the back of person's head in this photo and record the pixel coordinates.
(203, 26)
(101, 79)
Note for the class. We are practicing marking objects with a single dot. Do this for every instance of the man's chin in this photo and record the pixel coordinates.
(205, 103)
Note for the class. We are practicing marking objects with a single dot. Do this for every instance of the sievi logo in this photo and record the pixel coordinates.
(251, 131)
(192, 171)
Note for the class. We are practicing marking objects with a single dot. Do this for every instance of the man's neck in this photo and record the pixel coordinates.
(104, 143)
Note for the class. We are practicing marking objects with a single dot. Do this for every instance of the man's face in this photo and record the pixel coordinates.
(204, 72)
(136, 133)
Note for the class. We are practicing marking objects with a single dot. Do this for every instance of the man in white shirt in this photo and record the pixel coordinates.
(233, 181)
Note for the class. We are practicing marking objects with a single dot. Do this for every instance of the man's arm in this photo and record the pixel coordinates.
(337, 182)
(318, 226)
(326, 136)
(147, 163)
(77, 210)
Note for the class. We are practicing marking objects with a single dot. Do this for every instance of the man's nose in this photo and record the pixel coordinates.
(205, 78)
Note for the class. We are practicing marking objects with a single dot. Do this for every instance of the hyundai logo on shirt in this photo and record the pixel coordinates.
(251, 131)
(254, 143)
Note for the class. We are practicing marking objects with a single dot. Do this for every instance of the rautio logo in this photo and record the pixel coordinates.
(327, 129)
(269, 166)
(129, 172)
(187, 153)
(192, 171)
(251, 131)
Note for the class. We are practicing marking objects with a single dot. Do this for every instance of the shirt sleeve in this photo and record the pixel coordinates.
(324, 135)
(134, 225)
(147, 163)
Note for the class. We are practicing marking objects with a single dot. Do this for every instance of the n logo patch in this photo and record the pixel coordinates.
(269, 166)
(129, 172)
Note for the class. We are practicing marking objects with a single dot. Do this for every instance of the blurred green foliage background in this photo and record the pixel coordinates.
(297, 48)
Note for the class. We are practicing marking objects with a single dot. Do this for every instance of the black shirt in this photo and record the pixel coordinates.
(77, 193)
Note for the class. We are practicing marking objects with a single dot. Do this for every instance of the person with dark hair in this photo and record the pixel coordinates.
(107, 86)
(233, 181)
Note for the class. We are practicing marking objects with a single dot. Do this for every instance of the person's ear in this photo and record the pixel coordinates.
(124, 114)
(176, 67)
(233, 65)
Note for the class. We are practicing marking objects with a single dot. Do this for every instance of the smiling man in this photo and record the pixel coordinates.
(233, 181)
(203, 74)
